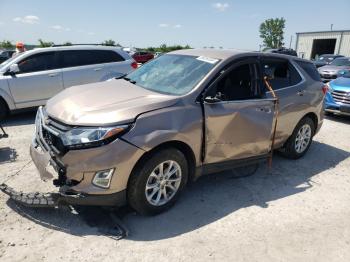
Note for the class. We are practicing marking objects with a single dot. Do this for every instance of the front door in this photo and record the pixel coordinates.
(238, 116)
(38, 79)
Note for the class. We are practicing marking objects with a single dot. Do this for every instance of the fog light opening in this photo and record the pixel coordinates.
(103, 178)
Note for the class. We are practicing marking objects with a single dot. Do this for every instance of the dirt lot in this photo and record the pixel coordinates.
(298, 211)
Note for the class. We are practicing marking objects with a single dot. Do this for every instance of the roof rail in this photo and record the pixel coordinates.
(82, 44)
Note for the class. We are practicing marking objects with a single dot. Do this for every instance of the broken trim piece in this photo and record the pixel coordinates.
(54, 199)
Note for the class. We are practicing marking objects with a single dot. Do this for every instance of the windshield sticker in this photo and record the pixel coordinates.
(207, 59)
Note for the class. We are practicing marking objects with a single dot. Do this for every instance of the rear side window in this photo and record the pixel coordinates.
(38, 62)
(282, 71)
(75, 58)
(107, 56)
(310, 69)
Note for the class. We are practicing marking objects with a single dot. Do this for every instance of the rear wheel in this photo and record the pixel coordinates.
(156, 184)
(3, 109)
(300, 140)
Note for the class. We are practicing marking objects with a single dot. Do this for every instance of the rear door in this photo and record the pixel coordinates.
(238, 123)
(291, 89)
(38, 80)
(80, 67)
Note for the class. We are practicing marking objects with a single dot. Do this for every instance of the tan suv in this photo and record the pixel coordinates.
(139, 139)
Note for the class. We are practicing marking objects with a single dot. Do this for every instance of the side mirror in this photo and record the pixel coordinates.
(12, 70)
(212, 100)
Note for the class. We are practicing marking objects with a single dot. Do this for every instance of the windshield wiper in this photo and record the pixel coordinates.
(126, 78)
(129, 80)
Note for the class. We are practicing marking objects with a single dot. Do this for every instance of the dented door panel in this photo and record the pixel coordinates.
(238, 129)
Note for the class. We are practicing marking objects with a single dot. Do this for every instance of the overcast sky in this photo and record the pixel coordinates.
(199, 23)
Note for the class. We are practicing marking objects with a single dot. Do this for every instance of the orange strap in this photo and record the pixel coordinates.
(275, 127)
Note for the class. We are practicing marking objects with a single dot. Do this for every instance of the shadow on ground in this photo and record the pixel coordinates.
(7, 154)
(20, 119)
(209, 199)
(338, 118)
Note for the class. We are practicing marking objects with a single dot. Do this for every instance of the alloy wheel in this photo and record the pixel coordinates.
(163, 183)
(303, 138)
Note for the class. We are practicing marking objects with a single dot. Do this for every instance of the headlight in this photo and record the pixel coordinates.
(84, 137)
(330, 89)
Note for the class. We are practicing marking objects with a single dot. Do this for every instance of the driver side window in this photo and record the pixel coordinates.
(238, 84)
(38, 62)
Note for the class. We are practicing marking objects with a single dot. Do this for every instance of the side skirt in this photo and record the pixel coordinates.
(231, 164)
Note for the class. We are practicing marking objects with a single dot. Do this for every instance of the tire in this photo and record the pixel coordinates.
(148, 173)
(291, 146)
(3, 109)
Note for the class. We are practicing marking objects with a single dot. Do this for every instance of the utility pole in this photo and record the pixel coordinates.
(290, 42)
(331, 27)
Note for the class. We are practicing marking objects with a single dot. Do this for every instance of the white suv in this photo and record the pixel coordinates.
(30, 79)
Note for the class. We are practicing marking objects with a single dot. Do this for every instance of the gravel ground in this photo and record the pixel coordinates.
(298, 211)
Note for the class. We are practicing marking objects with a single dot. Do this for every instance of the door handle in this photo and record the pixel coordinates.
(264, 109)
(98, 69)
(300, 93)
(53, 74)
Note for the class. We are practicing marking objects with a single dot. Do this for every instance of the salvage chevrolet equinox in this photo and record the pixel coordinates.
(140, 138)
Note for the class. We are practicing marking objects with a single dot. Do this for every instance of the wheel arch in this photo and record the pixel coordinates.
(314, 119)
(181, 146)
(4, 96)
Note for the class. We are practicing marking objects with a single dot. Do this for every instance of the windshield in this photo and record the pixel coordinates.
(326, 58)
(345, 74)
(341, 62)
(7, 62)
(172, 74)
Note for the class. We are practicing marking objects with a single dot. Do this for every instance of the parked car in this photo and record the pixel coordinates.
(6, 54)
(325, 59)
(31, 78)
(189, 112)
(156, 54)
(282, 50)
(338, 95)
(331, 71)
(142, 57)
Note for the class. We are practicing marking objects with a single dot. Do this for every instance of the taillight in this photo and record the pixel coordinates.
(325, 89)
(134, 65)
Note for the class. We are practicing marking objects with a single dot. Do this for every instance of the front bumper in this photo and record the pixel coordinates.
(73, 170)
(332, 106)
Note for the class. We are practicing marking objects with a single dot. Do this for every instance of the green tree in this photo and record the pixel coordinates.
(42, 43)
(271, 31)
(109, 42)
(6, 44)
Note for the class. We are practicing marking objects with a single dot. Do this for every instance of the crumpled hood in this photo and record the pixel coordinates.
(105, 103)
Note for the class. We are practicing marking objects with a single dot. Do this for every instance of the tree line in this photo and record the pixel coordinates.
(6, 44)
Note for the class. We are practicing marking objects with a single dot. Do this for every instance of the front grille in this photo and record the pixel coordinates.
(48, 133)
(341, 97)
(328, 76)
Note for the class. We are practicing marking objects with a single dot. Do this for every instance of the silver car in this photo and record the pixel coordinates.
(332, 70)
(184, 114)
(30, 79)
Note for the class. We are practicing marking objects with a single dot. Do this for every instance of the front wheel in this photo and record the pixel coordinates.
(156, 184)
(300, 140)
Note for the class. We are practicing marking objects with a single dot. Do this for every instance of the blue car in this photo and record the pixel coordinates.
(338, 95)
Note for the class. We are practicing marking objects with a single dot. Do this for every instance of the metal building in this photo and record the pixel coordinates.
(311, 44)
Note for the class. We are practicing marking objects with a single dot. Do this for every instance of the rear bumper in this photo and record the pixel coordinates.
(64, 198)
